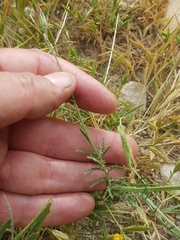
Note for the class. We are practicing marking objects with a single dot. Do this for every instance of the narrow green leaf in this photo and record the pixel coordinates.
(36, 224)
(98, 181)
(85, 134)
(105, 151)
(2, 25)
(93, 158)
(69, 12)
(177, 168)
(4, 227)
(115, 167)
(93, 169)
(110, 192)
(126, 108)
(85, 151)
(130, 112)
(33, 236)
(152, 126)
(137, 228)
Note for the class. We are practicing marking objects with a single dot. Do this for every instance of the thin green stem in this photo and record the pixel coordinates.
(120, 228)
(145, 188)
(168, 224)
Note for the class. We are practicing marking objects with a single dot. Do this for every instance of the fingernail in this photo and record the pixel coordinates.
(60, 79)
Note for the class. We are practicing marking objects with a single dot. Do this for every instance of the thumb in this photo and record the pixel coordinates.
(25, 95)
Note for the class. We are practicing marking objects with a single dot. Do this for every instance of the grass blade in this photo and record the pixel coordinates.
(4, 227)
(34, 227)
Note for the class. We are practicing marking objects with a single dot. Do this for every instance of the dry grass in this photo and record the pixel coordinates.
(115, 43)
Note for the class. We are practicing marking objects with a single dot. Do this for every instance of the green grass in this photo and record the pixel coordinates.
(106, 39)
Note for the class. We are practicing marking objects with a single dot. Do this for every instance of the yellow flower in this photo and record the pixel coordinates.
(117, 236)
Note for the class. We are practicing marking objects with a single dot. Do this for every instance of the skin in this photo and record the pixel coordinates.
(38, 157)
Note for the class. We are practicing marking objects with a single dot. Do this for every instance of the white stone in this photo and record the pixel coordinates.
(166, 171)
(173, 11)
(21, 30)
(134, 93)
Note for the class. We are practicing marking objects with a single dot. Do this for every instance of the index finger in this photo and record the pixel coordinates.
(90, 94)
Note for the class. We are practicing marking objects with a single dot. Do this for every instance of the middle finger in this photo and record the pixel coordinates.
(61, 140)
(30, 173)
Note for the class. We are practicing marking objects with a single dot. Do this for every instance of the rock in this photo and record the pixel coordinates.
(134, 93)
(21, 30)
(173, 11)
(166, 171)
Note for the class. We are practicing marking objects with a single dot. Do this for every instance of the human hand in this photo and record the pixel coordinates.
(38, 158)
